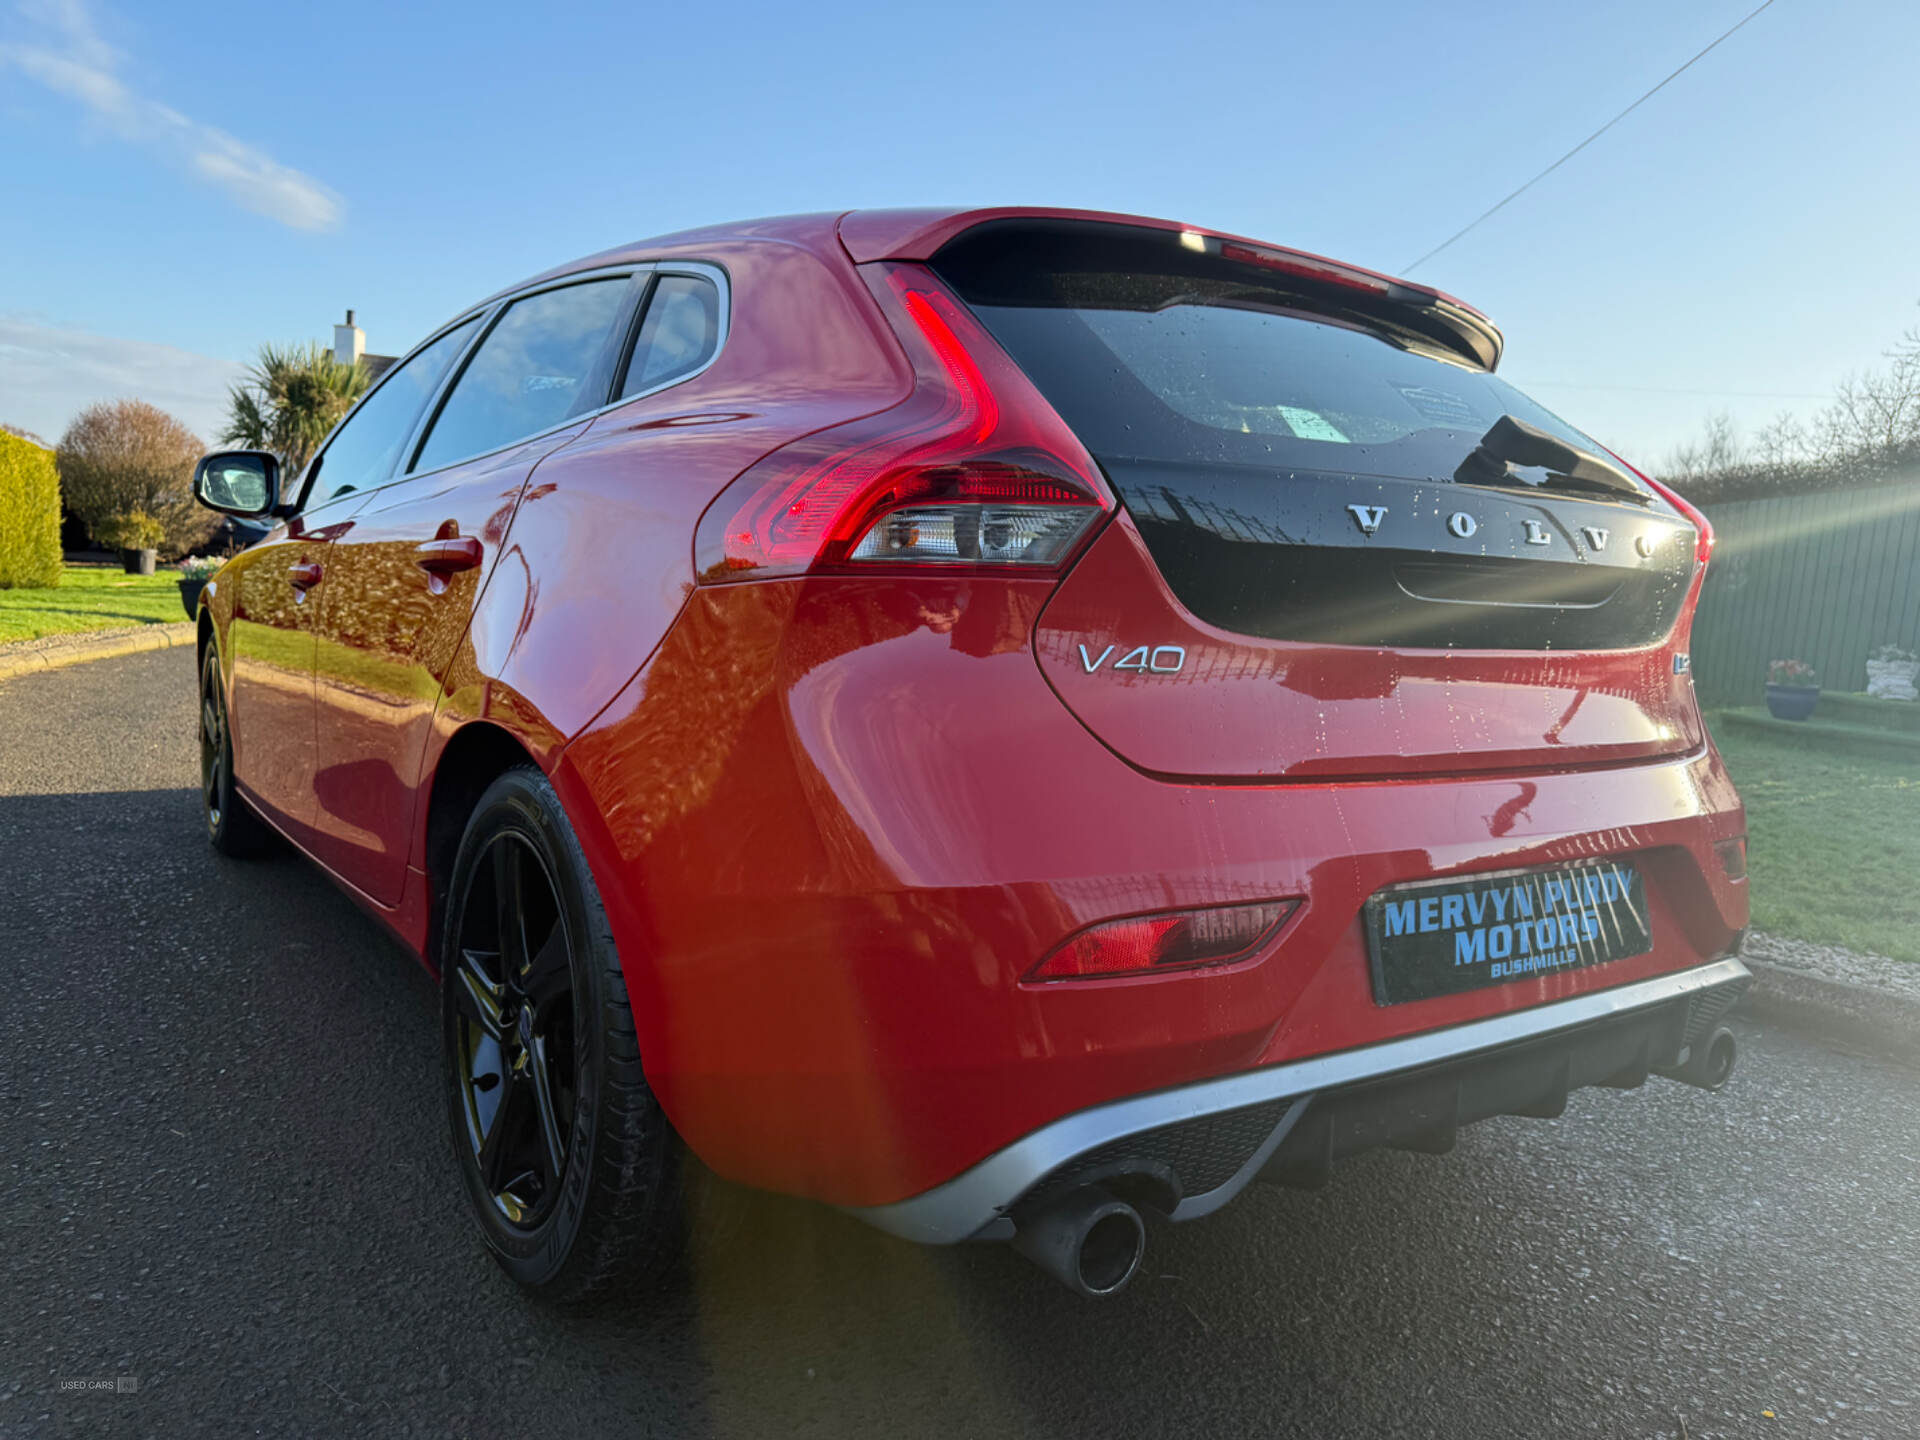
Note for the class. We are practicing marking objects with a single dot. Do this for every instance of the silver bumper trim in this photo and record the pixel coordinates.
(976, 1199)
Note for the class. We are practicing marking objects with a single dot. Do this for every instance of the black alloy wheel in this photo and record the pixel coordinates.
(514, 1055)
(232, 828)
(571, 1168)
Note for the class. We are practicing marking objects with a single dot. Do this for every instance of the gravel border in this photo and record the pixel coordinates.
(1835, 995)
(1834, 962)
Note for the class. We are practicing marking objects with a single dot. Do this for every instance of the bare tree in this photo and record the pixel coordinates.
(24, 434)
(1874, 417)
(1716, 450)
(1871, 430)
(1782, 443)
(124, 460)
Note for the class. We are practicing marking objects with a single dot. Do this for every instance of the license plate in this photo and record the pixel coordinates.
(1439, 937)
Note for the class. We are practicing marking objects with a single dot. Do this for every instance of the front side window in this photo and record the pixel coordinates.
(532, 371)
(363, 451)
(678, 335)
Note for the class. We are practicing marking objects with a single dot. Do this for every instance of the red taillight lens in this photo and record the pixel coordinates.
(1703, 527)
(1174, 941)
(974, 467)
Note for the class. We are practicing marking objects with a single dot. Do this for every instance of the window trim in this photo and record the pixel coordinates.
(642, 272)
(723, 327)
(722, 315)
(430, 416)
(312, 472)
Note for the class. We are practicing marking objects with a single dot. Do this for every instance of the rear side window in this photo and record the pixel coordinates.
(365, 449)
(678, 335)
(533, 370)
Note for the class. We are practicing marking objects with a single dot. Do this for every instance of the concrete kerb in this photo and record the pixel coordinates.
(30, 657)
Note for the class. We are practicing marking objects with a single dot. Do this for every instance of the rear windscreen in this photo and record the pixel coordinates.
(1297, 461)
(1223, 378)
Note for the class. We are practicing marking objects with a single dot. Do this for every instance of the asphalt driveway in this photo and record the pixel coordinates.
(227, 1181)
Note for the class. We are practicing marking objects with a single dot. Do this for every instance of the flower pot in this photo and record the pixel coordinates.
(190, 596)
(139, 562)
(1892, 679)
(1792, 702)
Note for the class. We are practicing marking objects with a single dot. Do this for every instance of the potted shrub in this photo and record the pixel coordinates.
(1793, 689)
(195, 571)
(138, 537)
(1891, 672)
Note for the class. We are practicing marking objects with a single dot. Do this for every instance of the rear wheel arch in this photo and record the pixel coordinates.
(476, 755)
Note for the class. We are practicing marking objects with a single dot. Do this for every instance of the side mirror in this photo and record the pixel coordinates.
(238, 482)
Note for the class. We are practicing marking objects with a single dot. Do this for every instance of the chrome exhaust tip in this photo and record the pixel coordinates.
(1087, 1240)
(1707, 1064)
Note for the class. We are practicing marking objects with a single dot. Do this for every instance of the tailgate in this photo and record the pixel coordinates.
(1240, 707)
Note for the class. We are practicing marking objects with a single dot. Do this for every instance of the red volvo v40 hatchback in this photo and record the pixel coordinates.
(997, 720)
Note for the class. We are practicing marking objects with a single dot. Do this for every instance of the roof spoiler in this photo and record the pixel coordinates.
(870, 235)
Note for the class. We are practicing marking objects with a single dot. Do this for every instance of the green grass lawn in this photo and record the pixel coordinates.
(90, 598)
(1833, 847)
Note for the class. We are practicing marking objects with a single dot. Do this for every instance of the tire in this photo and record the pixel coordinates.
(232, 827)
(570, 1166)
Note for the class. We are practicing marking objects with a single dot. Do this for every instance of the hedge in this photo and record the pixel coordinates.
(29, 515)
(1772, 482)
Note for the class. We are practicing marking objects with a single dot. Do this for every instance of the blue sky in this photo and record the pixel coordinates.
(181, 183)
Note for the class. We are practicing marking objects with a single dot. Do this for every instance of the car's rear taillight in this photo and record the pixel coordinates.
(1682, 632)
(972, 468)
(1703, 527)
(1174, 940)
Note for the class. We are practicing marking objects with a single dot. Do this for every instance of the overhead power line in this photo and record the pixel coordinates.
(1410, 268)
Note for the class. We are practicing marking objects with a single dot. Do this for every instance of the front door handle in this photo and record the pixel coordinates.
(446, 557)
(305, 575)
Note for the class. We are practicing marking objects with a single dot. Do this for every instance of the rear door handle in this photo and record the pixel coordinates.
(445, 557)
(305, 575)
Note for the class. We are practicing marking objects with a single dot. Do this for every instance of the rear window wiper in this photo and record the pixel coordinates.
(1509, 442)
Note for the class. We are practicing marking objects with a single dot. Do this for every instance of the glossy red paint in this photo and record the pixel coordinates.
(973, 429)
(605, 540)
(836, 819)
(267, 628)
(392, 620)
(833, 866)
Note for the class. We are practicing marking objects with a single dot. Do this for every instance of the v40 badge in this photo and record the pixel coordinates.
(1150, 660)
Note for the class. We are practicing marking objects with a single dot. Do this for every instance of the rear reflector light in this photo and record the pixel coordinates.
(1174, 941)
(1733, 857)
(973, 467)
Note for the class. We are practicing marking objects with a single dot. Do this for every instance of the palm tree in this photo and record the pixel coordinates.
(291, 397)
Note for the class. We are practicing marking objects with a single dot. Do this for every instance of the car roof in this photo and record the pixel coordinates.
(919, 233)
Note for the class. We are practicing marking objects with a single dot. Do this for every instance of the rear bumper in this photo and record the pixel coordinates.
(838, 822)
(1289, 1122)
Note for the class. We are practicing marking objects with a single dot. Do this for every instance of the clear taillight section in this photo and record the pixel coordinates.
(1175, 940)
(1022, 534)
(973, 468)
